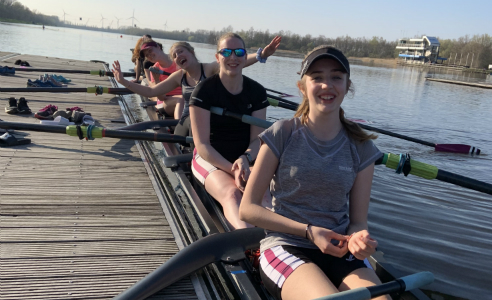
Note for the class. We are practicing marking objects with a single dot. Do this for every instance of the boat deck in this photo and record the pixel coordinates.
(78, 219)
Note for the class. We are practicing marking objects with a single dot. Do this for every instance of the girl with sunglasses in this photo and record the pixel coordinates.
(192, 72)
(226, 147)
(319, 168)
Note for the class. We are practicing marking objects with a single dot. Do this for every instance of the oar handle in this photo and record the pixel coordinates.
(406, 283)
(156, 70)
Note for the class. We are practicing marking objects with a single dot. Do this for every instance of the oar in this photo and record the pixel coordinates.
(454, 148)
(156, 70)
(280, 93)
(93, 72)
(399, 285)
(280, 99)
(98, 132)
(98, 90)
(403, 164)
(390, 160)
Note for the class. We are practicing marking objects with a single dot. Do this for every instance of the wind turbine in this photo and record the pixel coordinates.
(133, 18)
(110, 23)
(102, 21)
(87, 22)
(117, 22)
(165, 26)
(64, 13)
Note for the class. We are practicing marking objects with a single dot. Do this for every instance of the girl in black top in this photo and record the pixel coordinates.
(225, 147)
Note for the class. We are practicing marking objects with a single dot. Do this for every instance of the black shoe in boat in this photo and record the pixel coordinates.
(22, 106)
(12, 107)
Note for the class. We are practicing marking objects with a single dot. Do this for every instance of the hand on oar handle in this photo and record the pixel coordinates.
(361, 245)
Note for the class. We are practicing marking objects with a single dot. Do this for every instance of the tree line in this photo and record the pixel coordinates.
(478, 46)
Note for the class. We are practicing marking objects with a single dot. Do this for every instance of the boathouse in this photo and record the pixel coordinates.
(423, 50)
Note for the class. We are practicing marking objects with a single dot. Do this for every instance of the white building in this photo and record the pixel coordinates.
(421, 50)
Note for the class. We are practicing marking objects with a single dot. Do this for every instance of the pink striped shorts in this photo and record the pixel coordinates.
(200, 167)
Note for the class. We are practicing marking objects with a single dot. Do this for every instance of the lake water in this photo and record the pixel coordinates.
(420, 224)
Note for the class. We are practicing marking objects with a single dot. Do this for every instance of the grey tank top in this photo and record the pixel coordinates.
(313, 179)
(187, 90)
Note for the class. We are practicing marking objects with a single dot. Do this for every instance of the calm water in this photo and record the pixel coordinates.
(420, 224)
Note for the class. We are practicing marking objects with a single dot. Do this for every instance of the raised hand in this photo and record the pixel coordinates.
(322, 237)
(118, 75)
(361, 245)
(272, 47)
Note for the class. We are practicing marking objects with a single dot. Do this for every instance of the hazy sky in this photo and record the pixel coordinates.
(356, 18)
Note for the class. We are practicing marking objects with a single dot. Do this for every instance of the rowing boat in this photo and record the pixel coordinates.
(218, 261)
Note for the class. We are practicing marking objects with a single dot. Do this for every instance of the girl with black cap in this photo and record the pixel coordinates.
(319, 168)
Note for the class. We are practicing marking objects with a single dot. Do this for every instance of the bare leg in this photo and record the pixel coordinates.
(361, 278)
(307, 282)
(222, 187)
(169, 104)
(178, 110)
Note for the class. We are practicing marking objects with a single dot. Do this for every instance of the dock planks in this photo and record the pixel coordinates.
(78, 219)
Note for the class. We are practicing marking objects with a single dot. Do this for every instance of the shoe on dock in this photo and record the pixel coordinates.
(46, 113)
(8, 140)
(22, 106)
(12, 107)
(61, 78)
(7, 70)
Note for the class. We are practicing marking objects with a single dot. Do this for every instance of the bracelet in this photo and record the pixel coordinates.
(258, 56)
(307, 233)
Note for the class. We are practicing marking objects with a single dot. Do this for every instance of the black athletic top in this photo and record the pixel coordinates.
(187, 90)
(229, 136)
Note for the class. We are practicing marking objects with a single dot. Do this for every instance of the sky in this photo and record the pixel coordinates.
(356, 18)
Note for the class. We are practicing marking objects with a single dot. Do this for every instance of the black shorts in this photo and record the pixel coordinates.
(277, 263)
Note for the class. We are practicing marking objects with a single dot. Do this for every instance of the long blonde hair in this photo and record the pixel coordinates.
(353, 129)
(136, 50)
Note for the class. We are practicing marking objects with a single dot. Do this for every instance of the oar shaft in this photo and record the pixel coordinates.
(463, 181)
(32, 127)
(65, 71)
(244, 118)
(283, 100)
(95, 90)
(403, 137)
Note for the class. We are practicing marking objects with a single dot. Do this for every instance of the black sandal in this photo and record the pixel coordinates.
(8, 140)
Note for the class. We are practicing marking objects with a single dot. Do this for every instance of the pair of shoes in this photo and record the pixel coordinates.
(22, 63)
(49, 79)
(21, 108)
(67, 114)
(8, 140)
(38, 83)
(61, 78)
(46, 113)
(7, 70)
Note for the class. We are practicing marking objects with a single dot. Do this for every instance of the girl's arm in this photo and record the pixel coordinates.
(213, 67)
(172, 82)
(200, 126)
(361, 245)
(241, 166)
(254, 213)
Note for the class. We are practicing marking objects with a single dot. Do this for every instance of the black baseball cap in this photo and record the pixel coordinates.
(324, 52)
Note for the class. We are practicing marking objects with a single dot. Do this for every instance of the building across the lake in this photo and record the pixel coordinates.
(423, 50)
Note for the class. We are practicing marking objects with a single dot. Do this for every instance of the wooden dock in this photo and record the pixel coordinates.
(473, 84)
(78, 219)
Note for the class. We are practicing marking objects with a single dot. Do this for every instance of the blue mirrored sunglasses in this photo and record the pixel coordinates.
(226, 52)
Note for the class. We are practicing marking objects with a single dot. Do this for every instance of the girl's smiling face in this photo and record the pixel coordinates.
(325, 85)
(182, 57)
(231, 65)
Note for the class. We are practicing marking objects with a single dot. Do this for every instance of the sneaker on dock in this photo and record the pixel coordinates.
(49, 78)
(61, 78)
(7, 70)
(38, 83)
(12, 107)
(22, 106)
(46, 113)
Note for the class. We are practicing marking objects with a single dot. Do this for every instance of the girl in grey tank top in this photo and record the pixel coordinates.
(319, 168)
